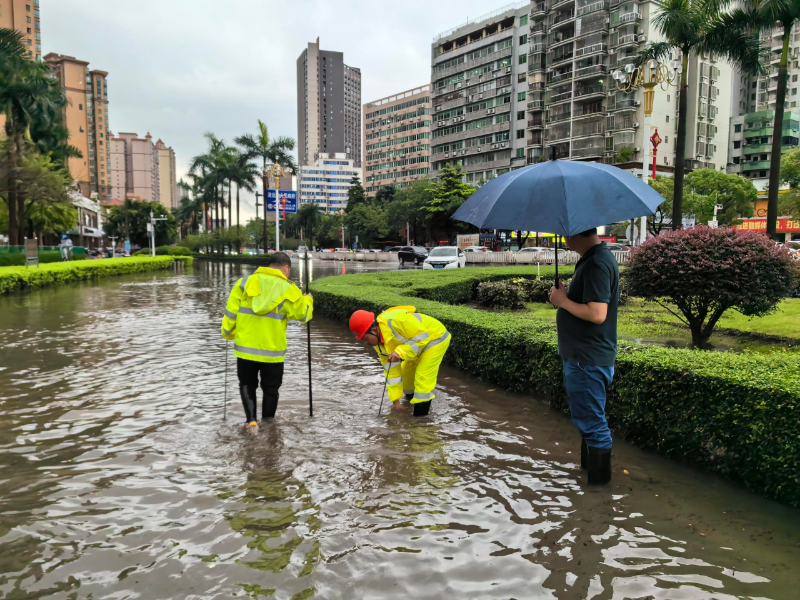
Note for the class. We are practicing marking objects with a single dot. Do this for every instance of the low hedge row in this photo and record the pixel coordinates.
(164, 251)
(244, 258)
(733, 414)
(21, 278)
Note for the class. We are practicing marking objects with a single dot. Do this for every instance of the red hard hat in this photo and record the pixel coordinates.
(360, 322)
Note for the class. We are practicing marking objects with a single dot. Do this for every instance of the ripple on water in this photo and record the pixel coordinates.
(120, 478)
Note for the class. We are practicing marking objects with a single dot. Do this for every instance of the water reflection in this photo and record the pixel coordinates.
(120, 479)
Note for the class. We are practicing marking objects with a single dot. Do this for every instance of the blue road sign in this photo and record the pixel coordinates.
(290, 205)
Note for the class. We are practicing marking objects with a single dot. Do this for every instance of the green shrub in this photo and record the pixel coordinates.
(13, 259)
(164, 251)
(178, 251)
(733, 414)
(20, 278)
(500, 294)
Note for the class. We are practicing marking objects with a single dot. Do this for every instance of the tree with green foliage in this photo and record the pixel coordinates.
(408, 208)
(625, 154)
(385, 194)
(356, 195)
(448, 193)
(735, 193)
(696, 27)
(327, 233)
(309, 217)
(368, 222)
(130, 221)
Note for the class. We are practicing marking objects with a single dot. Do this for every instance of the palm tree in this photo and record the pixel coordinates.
(12, 45)
(699, 27)
(309, 216)
(244, 174)
(767, 16)
(212, 166)
(270, 152)
(32, 101)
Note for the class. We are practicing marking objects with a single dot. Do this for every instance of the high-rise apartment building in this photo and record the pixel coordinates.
(753, 112)
(23, 15)
(167, 179)
(86, 119)
(327, 182)
(479, 95)
(576, 106)
(119, 180)
(328, 106)
(142, 172)
(397, 140)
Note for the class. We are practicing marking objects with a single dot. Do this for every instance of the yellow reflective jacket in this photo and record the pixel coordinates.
(407, 332)
(257, 312)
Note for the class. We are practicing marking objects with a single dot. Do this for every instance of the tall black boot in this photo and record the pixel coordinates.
(421, 409)
(269, 406)
(248, 393)
(599, 465)
(584, 455)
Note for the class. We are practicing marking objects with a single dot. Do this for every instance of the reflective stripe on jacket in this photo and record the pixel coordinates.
(257, 312)
(408, 333)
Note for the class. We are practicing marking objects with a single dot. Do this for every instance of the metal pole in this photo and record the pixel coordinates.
(275, 181)
(383, 395)
(308, 347)
(645, 165)
(225, 390)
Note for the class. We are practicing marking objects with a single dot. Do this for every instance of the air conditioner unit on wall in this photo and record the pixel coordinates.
(642, 38)
(636, 126)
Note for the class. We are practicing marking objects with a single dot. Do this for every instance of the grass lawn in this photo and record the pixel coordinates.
(649, 323)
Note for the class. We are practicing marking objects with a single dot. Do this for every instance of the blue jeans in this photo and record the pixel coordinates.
(586, 394)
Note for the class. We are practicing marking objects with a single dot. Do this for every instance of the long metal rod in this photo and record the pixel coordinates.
(383, 395)
(308, 344)
(225, 390)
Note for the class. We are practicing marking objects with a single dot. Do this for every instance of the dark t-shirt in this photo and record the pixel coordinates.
(596, 279)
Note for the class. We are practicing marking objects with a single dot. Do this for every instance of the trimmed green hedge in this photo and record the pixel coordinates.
(164, 251)
(20, 278)
(733, 414)
(244, 258)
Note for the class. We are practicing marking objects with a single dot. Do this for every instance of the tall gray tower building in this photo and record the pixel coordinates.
(328, 106)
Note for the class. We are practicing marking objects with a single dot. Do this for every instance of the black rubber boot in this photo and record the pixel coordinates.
(248, 393)
(584, 455)
(421, 409)
(599, 465)
(409, 397)
(268, 407)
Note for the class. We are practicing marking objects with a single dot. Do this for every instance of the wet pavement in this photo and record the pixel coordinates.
(120, 479)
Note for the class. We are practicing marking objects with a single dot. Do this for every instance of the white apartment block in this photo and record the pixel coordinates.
(576, 106)
(327, 181)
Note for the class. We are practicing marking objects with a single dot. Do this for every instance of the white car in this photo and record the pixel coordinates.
(445, 257)
(476, 249)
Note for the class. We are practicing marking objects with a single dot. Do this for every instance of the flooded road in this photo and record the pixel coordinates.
(119, 478)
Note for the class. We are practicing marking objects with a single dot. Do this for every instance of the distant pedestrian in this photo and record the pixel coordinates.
(587, 344)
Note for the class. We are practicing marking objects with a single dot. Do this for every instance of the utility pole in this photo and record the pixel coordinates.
(264, 204)
(151, 230)
(113, 239)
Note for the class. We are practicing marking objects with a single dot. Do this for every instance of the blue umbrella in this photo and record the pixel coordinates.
(561, 197)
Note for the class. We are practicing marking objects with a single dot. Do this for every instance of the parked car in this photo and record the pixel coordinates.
(476, 249)
(393, 249)
(618, 247)
(415, 254)
(445, 257)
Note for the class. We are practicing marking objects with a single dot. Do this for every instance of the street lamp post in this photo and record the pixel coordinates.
(647, 76)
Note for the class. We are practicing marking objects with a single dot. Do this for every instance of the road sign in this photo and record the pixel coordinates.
(290, 204)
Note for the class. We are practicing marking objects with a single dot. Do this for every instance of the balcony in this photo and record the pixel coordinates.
(538, 28)
(558, 38)
(554, 4)
(596, 26)
(589, 92)
(626, 40)
(631, 17)
(758, 148)
(625, 104)
(557, 118)
(535, 123)
(589, 110)
(534, 140)
(537, 10)
(562, 18)
(589, 151)
(561, 97)
(591, 71)
(535, 86)
(763, 131)
(536, 105)
(566, 76)
(555, 61)
(756, 165)
(591, 8)
(593, 49)
(595, 128)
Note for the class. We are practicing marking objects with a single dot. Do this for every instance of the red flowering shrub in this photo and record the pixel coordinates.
(704, 272)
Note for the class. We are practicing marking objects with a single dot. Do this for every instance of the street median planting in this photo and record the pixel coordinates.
(736, 414)
(21, 278)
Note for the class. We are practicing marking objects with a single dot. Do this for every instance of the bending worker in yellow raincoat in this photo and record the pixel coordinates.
(411, 347)
(258, 309)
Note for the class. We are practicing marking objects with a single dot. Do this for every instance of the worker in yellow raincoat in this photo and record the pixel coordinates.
(411, 347)
(256, 315)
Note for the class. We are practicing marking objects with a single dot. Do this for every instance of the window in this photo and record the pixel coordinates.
(794, 91)
(794, 78)
(523, 20)
(753, 85)
(80, 106)
(520, 134)
(520, 115)
(520, 153)
(523, 58)
(29, 19)
(667, 118)
(666, 140)
(28, 7)
(752, 97)
(737, 128)
(737, 144)
(29, 30)
(667, 97)
(523, 39)
(521, 97)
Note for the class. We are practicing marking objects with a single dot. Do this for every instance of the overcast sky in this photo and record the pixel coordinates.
(178, 68)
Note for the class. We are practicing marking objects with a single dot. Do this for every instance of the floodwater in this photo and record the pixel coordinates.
(119, 477)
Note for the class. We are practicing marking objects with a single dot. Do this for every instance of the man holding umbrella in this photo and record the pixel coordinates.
(571, 198)
(587, 343)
